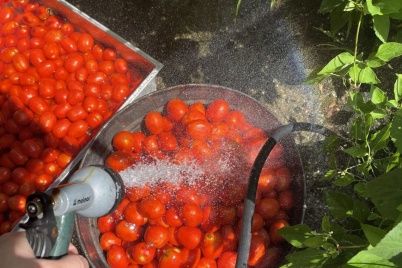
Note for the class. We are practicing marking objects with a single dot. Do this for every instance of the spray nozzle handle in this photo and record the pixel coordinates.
(41, 227)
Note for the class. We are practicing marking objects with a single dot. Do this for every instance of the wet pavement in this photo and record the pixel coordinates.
(264, 52)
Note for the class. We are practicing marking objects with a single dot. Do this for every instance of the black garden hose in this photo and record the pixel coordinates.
(249, 202)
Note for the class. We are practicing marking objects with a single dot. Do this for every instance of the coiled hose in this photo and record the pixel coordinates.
(249, 202)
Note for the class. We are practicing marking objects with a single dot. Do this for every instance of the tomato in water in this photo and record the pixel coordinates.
(227, 259)
(156, 236)
(123, 141)
(141, 253)
(154, 122)
(273, 235)
(152, 208)
(108, 239)
(267, 208)
(120, 160)
(117, 257)
(206, 263)
(189, 236)
(171, 258)
(128, 231)
(212, 245)
(176, 109)
(199, 129)
(191, 214)
(217, 110)
(106, 223)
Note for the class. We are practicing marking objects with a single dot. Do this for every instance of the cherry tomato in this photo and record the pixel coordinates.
(190, 257)
(85, 43)
(199, 129)
(172, 217)
(167, 141)
(171, 258)
(3, 202)
(189, 236)
(61, 128)
(120, 160)
(212, 245)
(94, 120)
(154, 122)
(20, 62)
(46, 68)
(120, 65)
(78, 128)
(285, 200)
(152, 208)
(132, 215)
(5, 175)
(108, 239)
(128, 231)
(206, 263)
(17, 203)
(47, 121)
(156, 236)
(38, 105)
(117, 257)
(73, 62)
(109, 54)
(229, 238)
(234, 119)
(106, 223)
(123, 141)
(283, 179)
(227, 259)
(217, 110)
(257, 250)
(176, 109)
(141, 253)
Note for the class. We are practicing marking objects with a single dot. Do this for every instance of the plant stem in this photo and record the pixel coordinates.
(356, 47)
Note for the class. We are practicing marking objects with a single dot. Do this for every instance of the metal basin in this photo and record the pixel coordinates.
(130, 118)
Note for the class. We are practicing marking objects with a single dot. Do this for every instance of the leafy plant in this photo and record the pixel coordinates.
(364, 228)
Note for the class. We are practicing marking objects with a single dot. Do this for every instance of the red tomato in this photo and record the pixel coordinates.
(109, 54)
(20, 62)
(156, 236)
(189, 236)
(85, 42)
(46, 68)
(193, 115)
(285, 200)
(123, 141)
(120, 160)
(229, 238)
(3, 202)
(38, 105)
(227, 259)
(108, 239)
(206, 263)
(154, 122)
(217, 110)
(128, 231)
(73, 62)
(132, 215)
(199, 129)
(171, 258)
(61, 128)
(117, 257)
(120, 65)
(212, 245)
(257, 250)
(106, 223)
(152, 208)
(267, 207)
(191, 214)
(5, 175)
(176, 109)
(190, 257)
(167, 141)
(283, 179)
(266, 181)
(17, 203)
(273, 235)
(78, 128)
(94, 120)
(234, 119)
(68, 44)
(141, 253)
(47, 121)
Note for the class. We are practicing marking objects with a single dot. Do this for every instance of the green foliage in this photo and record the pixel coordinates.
(364, 228)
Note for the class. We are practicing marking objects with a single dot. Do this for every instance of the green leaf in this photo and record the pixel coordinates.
(310, 257)
(329, 5)
(381, 27)
(377, 95)
(296, 234)
(398, 87)
(385, 192)
(388, 251)
(314, 242)
(373, 233)
(325, 224)
(344, 180)
(339, 18)
(338, 63)
(392, 103)
(388, 51)
(343, 206)
(329, 175)
(388, 163)
(396, 130)
(361, 73)
(361, 126)
(360, 189)
(314, 77)
(383, 7)
(358, 151)
(378, 113)
(379, 140)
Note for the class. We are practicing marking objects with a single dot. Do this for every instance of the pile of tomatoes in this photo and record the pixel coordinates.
(191, 223)
(57, 86)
